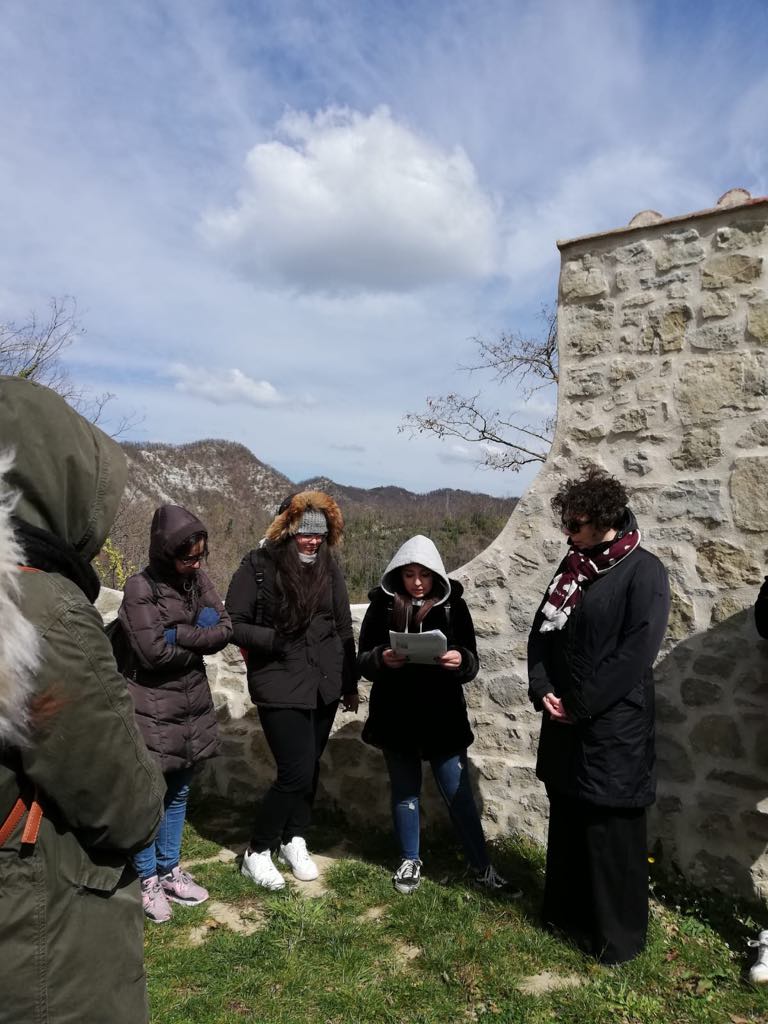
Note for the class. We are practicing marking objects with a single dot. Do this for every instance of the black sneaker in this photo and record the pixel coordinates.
(491, 881)
(407, 878)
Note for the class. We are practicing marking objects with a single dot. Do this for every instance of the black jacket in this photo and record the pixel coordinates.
(291, 674)
(600, 664)
(761, 610)
(418, 709)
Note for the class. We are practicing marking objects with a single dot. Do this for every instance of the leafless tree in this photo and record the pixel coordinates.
(530, 364)
(33, 350)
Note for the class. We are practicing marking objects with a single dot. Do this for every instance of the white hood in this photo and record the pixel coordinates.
(422, 551)
(19, 646)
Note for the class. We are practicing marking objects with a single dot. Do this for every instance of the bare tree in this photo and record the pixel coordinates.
(507, 442)
(33, 350)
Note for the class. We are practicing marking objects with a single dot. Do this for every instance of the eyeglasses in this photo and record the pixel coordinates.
(575, 525)
(192, 559)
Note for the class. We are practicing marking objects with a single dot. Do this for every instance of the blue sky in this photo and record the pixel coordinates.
(283, 222)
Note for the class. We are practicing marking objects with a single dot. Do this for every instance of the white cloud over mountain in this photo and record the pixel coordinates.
(224, 387)
(341, 201)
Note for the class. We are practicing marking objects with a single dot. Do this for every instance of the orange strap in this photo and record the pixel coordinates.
(34, 813)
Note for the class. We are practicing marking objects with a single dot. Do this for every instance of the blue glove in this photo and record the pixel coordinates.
(208, 617)
(170, 636)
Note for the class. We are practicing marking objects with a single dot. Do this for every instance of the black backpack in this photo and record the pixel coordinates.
(125, 656)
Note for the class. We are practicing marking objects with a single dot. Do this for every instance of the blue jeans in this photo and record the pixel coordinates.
(163, 854)
(452, 777)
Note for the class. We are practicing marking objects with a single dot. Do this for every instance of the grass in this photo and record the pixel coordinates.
(361, 953)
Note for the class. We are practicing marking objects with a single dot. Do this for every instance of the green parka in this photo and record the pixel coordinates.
(71, 925)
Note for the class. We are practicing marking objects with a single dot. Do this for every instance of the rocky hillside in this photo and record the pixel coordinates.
(236, 495)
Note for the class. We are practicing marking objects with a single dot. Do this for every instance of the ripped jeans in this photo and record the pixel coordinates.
(452, 778)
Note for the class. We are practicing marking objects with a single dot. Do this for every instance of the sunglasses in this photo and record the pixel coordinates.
(575, 525)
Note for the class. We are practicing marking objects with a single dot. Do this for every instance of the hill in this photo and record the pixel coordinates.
(236, 495)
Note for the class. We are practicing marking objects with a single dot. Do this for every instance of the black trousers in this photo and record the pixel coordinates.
(297, 739)
(596, 888)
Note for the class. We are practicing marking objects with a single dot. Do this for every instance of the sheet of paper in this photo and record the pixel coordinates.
(421, 648)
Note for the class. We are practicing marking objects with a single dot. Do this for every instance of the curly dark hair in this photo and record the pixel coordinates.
(597, 495)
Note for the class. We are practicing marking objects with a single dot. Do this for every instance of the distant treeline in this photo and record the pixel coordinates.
(371, 537)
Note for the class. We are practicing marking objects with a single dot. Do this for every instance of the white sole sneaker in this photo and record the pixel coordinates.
(294, 855)
(259, 869)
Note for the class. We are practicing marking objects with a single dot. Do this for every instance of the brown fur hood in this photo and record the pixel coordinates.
(286, 522)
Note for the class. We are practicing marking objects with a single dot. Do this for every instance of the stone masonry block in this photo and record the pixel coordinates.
(726, 271)
(691, 499)
(726, 565)
(749, 487)
(757, 321)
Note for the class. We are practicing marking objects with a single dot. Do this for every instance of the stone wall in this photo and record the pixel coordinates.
(663, 332)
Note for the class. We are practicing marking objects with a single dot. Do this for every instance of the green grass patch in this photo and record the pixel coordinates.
(361, 953)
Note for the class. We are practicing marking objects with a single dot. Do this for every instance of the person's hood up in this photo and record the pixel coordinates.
(68, 473)
(423, 551)
(288, 519)
(171, 526)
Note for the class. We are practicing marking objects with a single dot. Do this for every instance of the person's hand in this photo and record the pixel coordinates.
(170, 636)
(208, 617)
(392, 660)
(554, 706)
(450, 660)
(350, 701)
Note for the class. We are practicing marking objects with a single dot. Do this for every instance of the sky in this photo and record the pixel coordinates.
(284, 221)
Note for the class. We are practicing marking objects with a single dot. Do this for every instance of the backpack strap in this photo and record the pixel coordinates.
(258, 576)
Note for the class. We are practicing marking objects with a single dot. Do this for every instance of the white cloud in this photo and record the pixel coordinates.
(229, 386)
(346, 202)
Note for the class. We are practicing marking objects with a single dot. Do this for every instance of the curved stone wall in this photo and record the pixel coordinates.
(663, 331)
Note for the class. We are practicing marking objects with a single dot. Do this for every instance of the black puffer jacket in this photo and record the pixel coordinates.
(418, 709)
(173, 702)
(292, 673)
(600, 663)
(761, 610)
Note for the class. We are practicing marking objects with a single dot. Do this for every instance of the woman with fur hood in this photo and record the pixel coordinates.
(290, 614)
(78, 790)
(172, 617)
(418, 712)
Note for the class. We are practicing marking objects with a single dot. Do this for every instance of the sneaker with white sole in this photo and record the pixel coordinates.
(296, 856)
(180, 887)
(490, 880)
(154, 902)
(407, 878)
(258, 867)
(758, 972)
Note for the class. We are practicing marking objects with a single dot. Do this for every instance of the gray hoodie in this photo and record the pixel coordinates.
(421, 551)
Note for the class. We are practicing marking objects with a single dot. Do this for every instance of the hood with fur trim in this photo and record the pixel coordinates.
(19, 645)
(421, 551)
(287, 521)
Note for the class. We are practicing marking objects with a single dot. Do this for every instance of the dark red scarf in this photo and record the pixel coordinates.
(579, 569)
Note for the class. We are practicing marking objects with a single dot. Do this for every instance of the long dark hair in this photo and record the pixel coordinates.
(299, 587)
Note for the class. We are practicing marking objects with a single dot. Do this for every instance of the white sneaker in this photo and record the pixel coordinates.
(758, 972)
(258, 867)
(296, 856)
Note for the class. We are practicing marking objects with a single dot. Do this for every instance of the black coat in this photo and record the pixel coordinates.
(600, 664)
(761, 610)
(418, 709)
(293, 673)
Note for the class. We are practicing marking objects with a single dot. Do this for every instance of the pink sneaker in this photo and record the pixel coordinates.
(154, 902)
(181, 887)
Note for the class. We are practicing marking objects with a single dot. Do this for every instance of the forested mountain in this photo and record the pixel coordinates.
(236, 495)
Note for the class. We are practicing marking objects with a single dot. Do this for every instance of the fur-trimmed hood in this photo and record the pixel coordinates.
(287, 521)
(19, 645)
